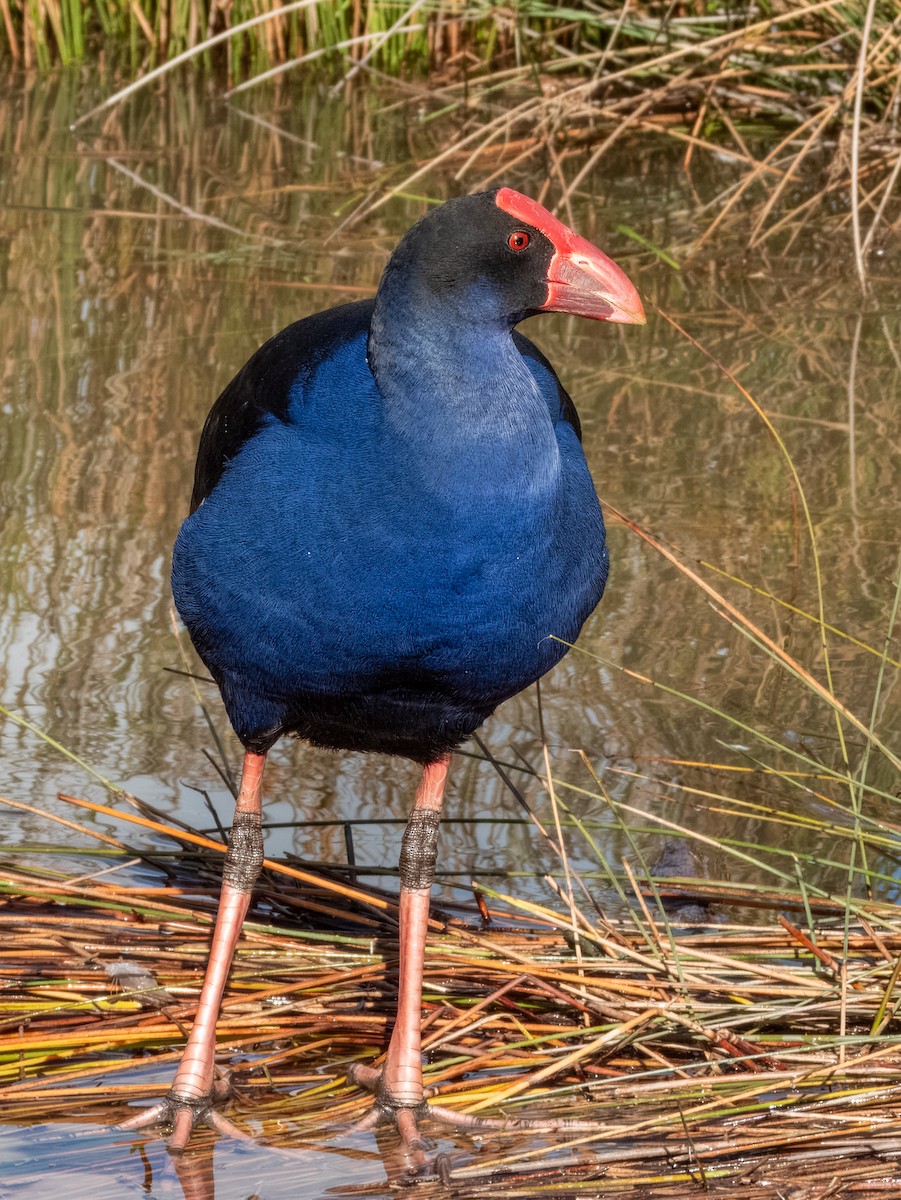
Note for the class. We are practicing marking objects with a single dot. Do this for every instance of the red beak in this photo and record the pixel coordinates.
(581, 278)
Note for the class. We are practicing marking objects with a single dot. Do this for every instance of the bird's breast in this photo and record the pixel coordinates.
(310, 567)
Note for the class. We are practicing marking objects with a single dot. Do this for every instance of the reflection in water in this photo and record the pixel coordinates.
(193, 1175)
(141, 267)
(105, 1166)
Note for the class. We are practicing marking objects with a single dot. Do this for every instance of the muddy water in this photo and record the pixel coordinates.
(142, 263)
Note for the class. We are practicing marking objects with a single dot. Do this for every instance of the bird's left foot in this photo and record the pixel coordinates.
(405, 1117)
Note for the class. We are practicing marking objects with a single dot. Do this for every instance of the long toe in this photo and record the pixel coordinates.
(183, 1115)
(406, 1119)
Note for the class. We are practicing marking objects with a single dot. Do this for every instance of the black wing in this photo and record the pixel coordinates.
(262, 388)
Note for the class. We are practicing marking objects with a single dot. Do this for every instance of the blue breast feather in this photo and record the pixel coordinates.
(372, 590)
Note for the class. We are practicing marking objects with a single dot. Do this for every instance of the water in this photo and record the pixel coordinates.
(143, 263)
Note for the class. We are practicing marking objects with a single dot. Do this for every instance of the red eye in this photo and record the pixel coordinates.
(518, 240)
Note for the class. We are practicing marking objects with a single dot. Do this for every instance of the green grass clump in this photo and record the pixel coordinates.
(258, 33)
(798, 53)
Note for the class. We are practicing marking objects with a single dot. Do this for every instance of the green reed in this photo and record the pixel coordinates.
(806, 58)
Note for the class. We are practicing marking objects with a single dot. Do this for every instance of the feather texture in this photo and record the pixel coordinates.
(392, 514)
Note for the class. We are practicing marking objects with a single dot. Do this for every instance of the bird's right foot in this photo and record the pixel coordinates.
(183, 1114)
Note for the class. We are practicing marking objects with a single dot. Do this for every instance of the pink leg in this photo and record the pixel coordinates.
(193, 1092)
(401, 1082)
(399, 1088)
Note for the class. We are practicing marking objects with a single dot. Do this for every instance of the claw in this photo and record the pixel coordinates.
(406, 1118)
(184, 1114)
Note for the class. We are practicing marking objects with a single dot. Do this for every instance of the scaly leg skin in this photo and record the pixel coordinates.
(398, 1087)
(400, 1097)
(194, 1093)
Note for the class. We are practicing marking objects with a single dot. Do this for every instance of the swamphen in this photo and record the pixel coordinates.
(391, 514)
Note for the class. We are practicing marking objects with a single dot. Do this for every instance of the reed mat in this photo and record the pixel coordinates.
(717, 1037)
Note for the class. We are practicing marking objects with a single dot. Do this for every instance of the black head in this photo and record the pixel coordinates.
(497, 257)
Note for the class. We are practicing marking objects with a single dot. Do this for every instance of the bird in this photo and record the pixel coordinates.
(393, 530)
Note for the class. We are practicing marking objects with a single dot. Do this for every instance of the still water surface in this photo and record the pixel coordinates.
(140, 266)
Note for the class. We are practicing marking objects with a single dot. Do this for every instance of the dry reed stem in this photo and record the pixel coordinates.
(780, 68)
(684, 1010)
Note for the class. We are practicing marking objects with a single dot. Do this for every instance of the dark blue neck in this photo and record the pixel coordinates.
(455, 385)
